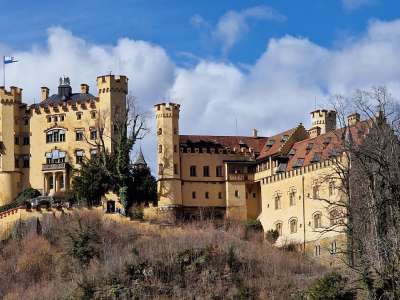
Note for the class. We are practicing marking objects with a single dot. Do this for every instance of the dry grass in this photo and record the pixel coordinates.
(84, 256)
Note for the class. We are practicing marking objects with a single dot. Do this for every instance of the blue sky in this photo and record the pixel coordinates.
(257, 64)
(168, 23)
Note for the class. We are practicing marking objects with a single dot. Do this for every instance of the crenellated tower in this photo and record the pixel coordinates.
(324, 119)
(113, 90)
(10, 175)
(168, 157)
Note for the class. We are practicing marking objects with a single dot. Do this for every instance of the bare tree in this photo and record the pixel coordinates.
(368, 170)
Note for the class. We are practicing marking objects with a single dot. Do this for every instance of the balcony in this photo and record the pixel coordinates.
(240, 177)
(55, 167)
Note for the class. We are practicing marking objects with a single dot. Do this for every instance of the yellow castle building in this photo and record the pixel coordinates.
(40, 144)
(279, 180)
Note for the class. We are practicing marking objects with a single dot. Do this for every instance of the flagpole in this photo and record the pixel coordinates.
(4, 72)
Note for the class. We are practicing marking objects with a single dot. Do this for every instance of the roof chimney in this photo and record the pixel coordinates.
(64, 89)
(84, 88)
(255, 132)
(44, 92)
(353, 119)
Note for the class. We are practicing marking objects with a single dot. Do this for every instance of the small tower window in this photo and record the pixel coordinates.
(219, 171)
(159, 148)
(159, 131)
(315, 191)
(176, 169)
(219, 195)
(206, 171)
(206, 195)
(193, 195)
(93, 114)
(193, 171)
(331, 188)
(160, 169)
(78, 115)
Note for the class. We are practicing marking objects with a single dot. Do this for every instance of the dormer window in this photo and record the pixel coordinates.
(316, 158)
(309, 146)
(270, 143)
(299, 163)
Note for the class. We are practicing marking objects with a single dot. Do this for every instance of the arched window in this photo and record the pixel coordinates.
(55, 135)
(317, 220)
(159, 131)
(278, 228)
(278, 201)
(293, 225)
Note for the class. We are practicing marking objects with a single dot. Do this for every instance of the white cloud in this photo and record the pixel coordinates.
(274, 93)
(355, 4)
(232, 25)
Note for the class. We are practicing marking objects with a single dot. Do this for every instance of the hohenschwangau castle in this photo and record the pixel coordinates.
(278, 179)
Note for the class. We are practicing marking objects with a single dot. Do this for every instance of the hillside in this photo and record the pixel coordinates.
(85, 256)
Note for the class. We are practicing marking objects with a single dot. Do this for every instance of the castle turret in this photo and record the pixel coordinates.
(10, 177)
(112, 100)
(168, 157)
(324, 119)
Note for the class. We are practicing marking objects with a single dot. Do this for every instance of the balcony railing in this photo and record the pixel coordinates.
(54, 167)
(240, 177)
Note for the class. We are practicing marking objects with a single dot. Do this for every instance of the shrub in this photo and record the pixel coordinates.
(272, 235)
(332, 286)
(254, 225)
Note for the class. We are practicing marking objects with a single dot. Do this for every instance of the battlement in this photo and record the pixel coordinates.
(13, 95)
(325, 119)
(169, 106)
(112, 83)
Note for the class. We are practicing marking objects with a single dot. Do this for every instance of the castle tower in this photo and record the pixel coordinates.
(112, 97)
(324, 119)
(168, 157)
(10, 175)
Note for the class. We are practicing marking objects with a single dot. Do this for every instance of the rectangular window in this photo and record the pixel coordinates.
(26, 121)
(93, 153)
(219, 195)
(292, 198)
(175, 148)
(62, 118)
(55, 118)
(206, 171)
(79, 156)
(219, 171)
(25, 140)
(79, 135)
(93, 134)
(159, 148)
(48, 119)
(78, 115)
(16, 162)
(193, 171)
(16, 140)
(176, 169)
(237, 194)
(277, 202)
(25, 161)
(93, 114)
(206, 195)
(193, 195)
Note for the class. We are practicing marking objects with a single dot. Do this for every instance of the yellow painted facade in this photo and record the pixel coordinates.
(41, 144)
(264, 183)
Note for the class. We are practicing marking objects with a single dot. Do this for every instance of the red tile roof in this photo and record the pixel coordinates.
(324, 145)
(225, 141)
(276, 142)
